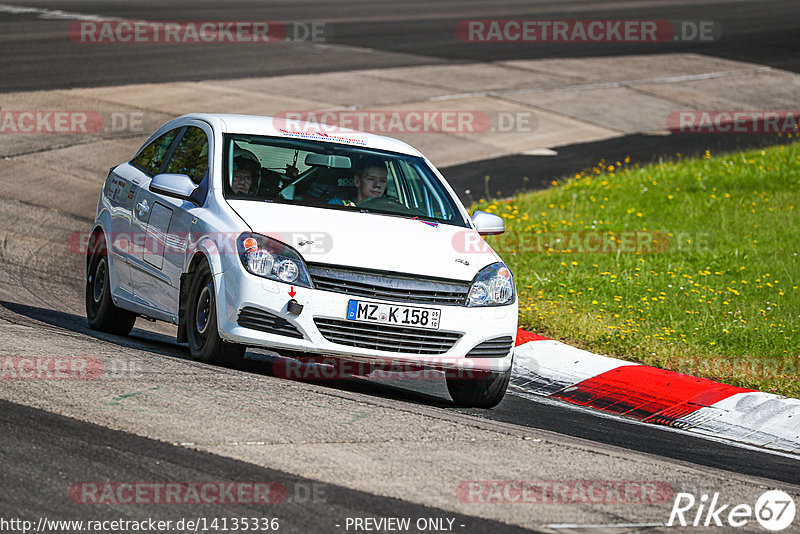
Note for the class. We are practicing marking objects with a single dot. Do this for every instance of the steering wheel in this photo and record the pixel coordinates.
(385, 203)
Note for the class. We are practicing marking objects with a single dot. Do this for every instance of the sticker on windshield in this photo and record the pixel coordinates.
(322, 136)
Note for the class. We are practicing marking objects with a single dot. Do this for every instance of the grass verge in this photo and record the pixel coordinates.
(690, 265)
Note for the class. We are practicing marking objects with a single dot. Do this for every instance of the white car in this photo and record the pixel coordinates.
(250, 231)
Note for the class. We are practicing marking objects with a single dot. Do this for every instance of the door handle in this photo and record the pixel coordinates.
(143, 207)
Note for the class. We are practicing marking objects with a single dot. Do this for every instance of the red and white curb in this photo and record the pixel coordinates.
(550, 368)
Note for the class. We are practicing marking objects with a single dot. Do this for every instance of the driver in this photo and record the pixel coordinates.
(370, 181)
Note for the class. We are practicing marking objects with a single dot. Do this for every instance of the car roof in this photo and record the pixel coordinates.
(294, 129)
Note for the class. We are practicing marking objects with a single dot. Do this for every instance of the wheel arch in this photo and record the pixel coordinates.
(98, 230)
(183, 295)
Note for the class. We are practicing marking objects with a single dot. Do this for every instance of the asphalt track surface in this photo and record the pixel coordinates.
(67, 445)
(363, 34)
(393, 34)
(519, 410)
(39, 444)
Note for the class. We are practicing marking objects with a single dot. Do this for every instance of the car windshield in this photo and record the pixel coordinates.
(334, 176)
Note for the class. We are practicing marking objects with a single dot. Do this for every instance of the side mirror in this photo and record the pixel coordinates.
(488, 224)
(173, 185)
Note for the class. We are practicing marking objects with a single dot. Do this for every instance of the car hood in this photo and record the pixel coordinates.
(370, 241)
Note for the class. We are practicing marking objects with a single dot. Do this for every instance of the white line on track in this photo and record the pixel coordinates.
(51, 14)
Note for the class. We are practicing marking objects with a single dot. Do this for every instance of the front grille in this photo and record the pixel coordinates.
(265, 321)
(386, 337)
(389, 286)
(498, 347)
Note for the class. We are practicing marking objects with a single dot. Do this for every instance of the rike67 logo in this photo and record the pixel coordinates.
(774, 510)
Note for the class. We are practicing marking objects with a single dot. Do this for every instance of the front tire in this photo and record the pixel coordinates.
(484, 389)
(101, 312)
(205, 345)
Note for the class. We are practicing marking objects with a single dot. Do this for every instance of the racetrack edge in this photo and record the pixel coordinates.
(647, 394)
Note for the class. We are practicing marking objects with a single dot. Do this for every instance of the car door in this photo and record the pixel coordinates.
(165, 222)
(120, 191)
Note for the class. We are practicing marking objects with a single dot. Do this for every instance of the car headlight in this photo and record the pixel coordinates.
(494, 286)
(263, 256)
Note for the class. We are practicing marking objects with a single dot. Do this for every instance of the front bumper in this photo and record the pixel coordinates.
(237, 290)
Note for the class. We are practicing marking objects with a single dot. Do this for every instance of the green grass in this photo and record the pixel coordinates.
(707, 286)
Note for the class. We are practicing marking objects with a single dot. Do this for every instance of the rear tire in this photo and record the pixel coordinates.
(205, 345)
(101, 312)
(484, 389)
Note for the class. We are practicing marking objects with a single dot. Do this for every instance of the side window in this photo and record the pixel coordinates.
(152, 156)
(191, 155)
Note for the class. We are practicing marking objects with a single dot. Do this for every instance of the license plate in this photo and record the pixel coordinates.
(375, 312)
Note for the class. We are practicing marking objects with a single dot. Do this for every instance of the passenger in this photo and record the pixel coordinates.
(245, 171)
